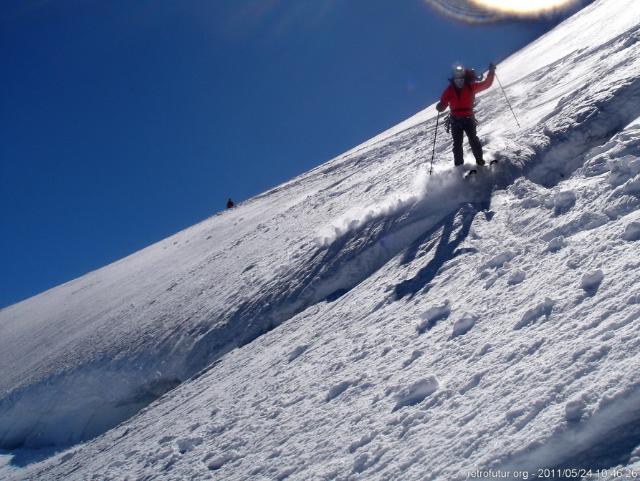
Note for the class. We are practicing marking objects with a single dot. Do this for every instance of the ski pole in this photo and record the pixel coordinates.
(507, 98)
(435, 137)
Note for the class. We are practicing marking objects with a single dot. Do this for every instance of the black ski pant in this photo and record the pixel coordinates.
(459, 127)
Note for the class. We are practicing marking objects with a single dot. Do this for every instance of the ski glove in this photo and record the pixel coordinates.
(492, 67)
(440, 107)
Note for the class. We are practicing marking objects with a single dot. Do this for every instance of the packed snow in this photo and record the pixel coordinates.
(366, 320)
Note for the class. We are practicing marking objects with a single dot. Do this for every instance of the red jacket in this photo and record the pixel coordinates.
(461, 100)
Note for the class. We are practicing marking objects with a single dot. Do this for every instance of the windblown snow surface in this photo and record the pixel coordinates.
(366, 321)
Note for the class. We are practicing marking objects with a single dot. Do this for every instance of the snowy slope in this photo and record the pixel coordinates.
(363, 321)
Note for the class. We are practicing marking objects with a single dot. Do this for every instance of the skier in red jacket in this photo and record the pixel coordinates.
(460, 96)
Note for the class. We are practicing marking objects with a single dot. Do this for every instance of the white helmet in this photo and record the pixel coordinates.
(458, 76)
(458, 72)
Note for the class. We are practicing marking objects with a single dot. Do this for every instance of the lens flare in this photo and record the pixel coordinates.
(526, 8)
(464, 11)
(487, 11)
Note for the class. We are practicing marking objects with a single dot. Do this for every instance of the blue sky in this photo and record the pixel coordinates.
(123, 122)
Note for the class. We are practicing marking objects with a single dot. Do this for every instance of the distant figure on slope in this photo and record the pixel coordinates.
(460, 96)
(230, 203)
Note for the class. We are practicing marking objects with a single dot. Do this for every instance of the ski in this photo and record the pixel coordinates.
(480, 168)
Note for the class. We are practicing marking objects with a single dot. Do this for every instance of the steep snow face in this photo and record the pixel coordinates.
(365, 320)
(483, 345)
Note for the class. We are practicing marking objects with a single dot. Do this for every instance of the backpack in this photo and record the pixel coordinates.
(470, 76)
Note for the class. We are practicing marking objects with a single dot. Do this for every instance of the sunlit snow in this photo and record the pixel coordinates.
(368, 321)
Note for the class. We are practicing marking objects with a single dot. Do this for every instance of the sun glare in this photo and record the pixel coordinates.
(520, 7)
(487, 11)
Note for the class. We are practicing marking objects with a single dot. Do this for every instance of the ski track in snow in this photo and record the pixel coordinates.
(364, 320)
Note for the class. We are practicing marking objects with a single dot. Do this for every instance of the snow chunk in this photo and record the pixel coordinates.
(432, 315)
(363, 441)
(464, 325)
(623, 169)
(339, 388)
(416, 392)
(532, 315)
(563, 202)
(591, 281)
(516, 277)
(556, 244)
(632, 232)
(297, 352)
(188, 444)
(366, 461)
(415, 355)
(595, 355)
(473, 382)
(483, 350)
(498, 261)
